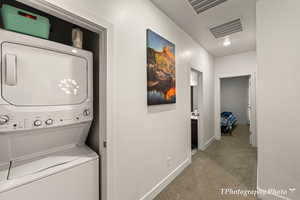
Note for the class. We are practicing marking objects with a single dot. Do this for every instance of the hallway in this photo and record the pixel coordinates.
(230, 164)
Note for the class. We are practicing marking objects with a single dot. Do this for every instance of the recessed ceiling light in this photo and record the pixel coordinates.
(227, 42)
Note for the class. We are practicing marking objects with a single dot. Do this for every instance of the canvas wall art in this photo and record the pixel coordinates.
(161, 74)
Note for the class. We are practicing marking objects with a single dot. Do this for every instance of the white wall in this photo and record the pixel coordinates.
(235, 97)
(236, 65)
(195, 76)
(144, 137)
(278, 30)
(196, 98)
(242, 64)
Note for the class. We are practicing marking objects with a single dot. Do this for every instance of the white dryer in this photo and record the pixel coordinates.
(46, 110)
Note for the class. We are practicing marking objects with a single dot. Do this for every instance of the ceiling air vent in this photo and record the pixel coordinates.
(203, 5)
(227, 28)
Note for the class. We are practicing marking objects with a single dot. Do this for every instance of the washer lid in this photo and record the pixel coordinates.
(26, 167)
(38, 77)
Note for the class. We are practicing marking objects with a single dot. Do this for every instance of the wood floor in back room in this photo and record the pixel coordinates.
(230, 163)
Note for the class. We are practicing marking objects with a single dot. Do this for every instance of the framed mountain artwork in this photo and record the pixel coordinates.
(161, 73)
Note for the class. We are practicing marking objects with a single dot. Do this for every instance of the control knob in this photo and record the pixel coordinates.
(49, 122)
(3, 119)
(37, 123)
(86, 112)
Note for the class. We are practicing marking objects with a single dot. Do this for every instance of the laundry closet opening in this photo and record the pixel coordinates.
(61, 33)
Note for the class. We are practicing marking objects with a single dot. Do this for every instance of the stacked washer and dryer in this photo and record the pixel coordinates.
(46, 111)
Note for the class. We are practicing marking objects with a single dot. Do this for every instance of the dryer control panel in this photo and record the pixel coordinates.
(10, 121)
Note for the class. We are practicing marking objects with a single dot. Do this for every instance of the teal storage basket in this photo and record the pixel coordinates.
(22, 21)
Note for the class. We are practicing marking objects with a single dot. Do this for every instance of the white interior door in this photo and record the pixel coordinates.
(252, 110)
(249, 104)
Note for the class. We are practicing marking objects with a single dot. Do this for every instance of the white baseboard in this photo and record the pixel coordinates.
(166, 181)
(206, 144)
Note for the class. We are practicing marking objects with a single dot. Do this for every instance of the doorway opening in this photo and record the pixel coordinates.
(236, 111)
(235, 104)
(196, 87)
(236, 95)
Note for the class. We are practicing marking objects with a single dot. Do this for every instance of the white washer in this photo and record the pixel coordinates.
(46, 110)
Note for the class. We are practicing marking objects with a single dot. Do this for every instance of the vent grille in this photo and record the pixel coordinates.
(203, 5)
(227, 28)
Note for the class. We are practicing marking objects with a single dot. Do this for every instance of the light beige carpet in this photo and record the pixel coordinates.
(229, 163)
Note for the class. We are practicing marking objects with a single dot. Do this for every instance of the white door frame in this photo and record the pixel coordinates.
(200, 104)
(253, 136)
(106, 70)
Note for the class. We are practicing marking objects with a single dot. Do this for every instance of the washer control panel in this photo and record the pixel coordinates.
(35, 120)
